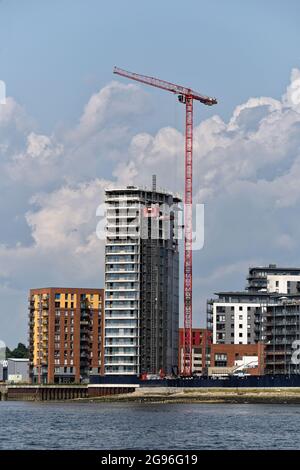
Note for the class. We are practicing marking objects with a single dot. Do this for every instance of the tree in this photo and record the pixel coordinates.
(19, 352)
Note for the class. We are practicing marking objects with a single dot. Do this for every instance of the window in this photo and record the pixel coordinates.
(240, 325)
(220, 360)
(240, 317)
(220, 309)
(240, 308)
(240, 335)
(277, 283)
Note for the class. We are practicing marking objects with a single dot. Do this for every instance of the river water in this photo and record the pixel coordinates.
(148, 426)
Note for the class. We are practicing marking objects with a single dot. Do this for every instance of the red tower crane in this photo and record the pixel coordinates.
(185, 96)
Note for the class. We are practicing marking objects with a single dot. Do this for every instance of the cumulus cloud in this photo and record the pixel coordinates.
(246, 171)
(115, 102)
(291, 99)
(34, 166)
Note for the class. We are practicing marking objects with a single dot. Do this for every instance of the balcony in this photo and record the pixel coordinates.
(123, 335)
(115, 325)
(121, 363)
(84, 338)
(120, 317)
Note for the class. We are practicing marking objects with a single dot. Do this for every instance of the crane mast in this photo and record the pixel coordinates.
(187, 97)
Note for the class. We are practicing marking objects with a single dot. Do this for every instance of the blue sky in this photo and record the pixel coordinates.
(70, 128)
(55, 54)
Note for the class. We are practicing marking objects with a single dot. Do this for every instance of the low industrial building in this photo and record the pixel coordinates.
(232, 359)
(14, 370)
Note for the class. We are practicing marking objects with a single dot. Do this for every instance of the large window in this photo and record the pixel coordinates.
(221, 360)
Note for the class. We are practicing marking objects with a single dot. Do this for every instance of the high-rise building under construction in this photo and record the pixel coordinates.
(141, 281)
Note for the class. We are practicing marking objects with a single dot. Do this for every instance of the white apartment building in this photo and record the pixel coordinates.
(238, 317)
(141, 282)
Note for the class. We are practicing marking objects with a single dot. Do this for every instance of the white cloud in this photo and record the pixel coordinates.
(116, 103)
(37, 164)
(246, 171)
(291, 98)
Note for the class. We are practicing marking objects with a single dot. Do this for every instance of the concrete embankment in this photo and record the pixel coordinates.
(137, 394)
(206, 395)
(42, 392)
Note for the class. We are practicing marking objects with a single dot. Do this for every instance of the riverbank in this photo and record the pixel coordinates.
(204, 395)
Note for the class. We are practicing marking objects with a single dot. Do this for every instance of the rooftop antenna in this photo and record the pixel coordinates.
(154, 183)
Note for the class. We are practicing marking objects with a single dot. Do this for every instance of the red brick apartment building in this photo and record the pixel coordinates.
(66, 334)
(226, 355)
(201, 342)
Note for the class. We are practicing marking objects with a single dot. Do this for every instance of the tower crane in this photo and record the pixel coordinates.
(187, 97)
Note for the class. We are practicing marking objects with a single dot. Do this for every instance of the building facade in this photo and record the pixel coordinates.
(267, 312)
(282, 330)
(237, 317)
(15, 370)
(65, 334)
(273, 279)
(237, 358)
(141, 282)
(201, 344)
